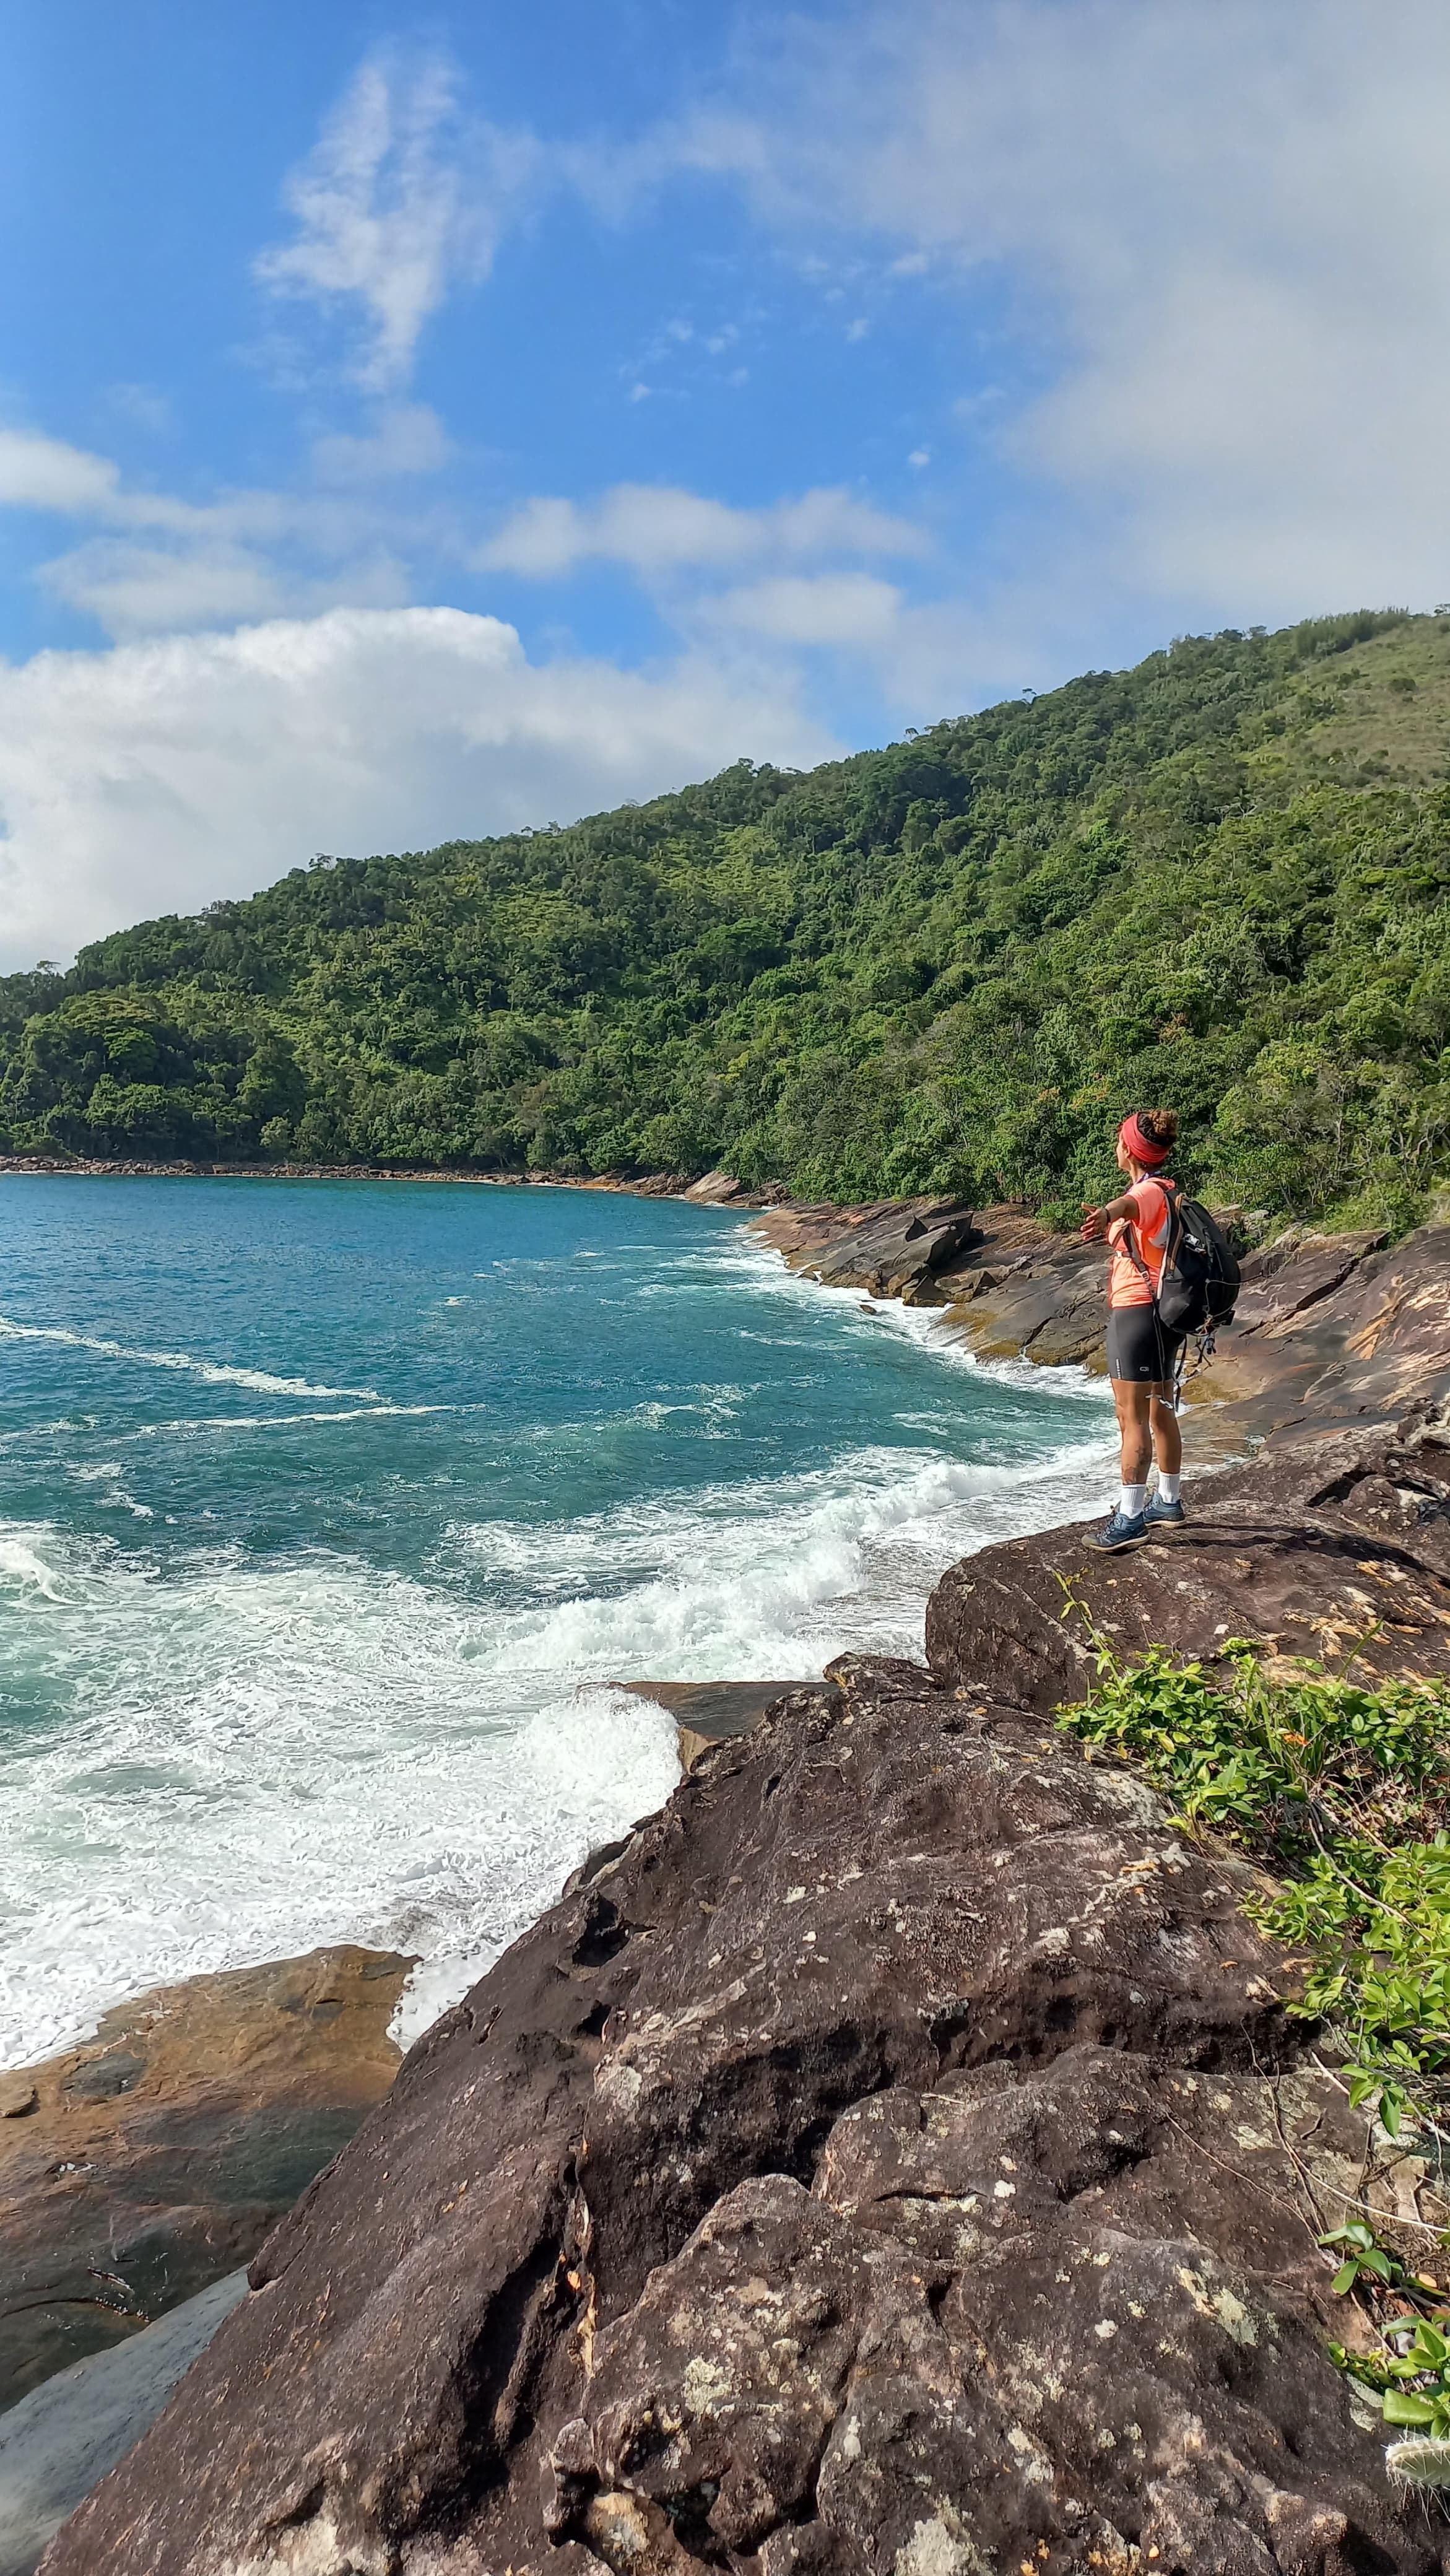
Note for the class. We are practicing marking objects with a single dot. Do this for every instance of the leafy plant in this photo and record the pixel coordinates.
(1365, 2259)
(1345, 1790)
(1420, 2373)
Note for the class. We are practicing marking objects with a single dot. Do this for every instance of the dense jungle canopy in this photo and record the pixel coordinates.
(1219, 880)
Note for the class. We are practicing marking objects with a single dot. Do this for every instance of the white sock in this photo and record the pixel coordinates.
(1131, 1499)
(1167, 1487)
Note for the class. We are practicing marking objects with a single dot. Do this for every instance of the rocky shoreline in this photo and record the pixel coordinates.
(523, 2318)
(894, 2156)
(711, 1190)
(1331, 1329)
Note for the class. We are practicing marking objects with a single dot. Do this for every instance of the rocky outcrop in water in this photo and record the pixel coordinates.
(895, 1248)
(154, 2158)
(895, 2157)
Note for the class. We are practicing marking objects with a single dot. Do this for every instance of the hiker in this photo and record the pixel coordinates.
(1143, 1352)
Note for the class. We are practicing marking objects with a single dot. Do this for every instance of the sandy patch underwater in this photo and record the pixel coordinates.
(328, 1512)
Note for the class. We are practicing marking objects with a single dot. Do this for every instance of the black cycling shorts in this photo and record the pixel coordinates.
(1140, 1348)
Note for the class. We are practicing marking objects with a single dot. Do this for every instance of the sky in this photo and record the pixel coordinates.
(420, 423)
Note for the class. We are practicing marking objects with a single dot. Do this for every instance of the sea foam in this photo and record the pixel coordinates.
(352, 1678)
(216, 1372)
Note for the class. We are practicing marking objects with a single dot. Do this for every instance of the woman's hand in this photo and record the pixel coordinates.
(1094, 1223)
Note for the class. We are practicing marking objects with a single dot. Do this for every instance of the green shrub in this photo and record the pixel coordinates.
(1344, 1789)
(1341, 1787)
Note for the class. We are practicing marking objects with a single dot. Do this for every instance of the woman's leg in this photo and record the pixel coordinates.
(1133, 1399)
(1167, 1437)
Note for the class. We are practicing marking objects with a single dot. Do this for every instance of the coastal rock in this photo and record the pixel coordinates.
(894, 1248)
(709, 1713)
(1331, 1548)
(894, 2158)
(1331, 1330)
(155, 2157)
(61, 2439)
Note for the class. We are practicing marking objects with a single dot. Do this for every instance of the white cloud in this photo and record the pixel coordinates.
(398, 201)
(39, 473)
(1222, 236)
(133, 589)
(142, 407)
(161, 775)
(847, 609)
(408, 439)
(659, 529)
(167, 564)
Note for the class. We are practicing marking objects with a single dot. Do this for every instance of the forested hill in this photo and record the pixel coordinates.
(1220, 880)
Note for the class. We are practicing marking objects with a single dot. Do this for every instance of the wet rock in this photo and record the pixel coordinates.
(893, 1248)
(895, 2157)
(61, 2439)
(900, 1254)
(155, 2157)
(1331, 1329)
(709, 1713)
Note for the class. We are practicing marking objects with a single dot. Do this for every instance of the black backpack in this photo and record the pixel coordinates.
(1198, 1286)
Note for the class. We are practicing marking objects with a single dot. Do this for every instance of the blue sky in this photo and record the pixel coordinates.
(417, 423)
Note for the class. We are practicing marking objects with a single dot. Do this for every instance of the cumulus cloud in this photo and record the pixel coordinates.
(166, 564)
(398, 201)
(133, 589)
(159, 776)
(407, 439)
(658, 528)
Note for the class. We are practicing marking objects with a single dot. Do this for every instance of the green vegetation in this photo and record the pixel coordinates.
(1344, 1791)
(1221, 879)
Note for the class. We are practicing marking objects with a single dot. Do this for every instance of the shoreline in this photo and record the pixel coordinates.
(905, 1994)
(711, 1189)
(1337, 1332)
(1004, 1288)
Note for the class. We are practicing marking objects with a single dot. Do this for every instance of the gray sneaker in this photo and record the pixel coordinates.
(1123, 1530)
(1161, 1515)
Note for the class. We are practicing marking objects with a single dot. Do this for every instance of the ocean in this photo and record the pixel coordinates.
(330, 1511)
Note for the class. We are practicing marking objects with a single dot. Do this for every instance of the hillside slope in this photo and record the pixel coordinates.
(1220, 879)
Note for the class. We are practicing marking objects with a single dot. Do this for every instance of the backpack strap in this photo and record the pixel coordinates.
(1129, 1242)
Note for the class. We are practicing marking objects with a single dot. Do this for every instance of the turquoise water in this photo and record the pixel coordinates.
(329, 1510)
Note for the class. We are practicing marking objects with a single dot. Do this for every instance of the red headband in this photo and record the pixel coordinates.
(1142, 1148)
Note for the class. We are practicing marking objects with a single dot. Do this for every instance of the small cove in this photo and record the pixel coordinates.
(329, 1510)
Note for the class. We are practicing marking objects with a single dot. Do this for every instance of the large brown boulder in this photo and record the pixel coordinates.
(1331, 1548)
(895, 2158)
(154, 2158)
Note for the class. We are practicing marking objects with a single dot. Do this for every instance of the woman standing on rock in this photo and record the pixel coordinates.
(1143, 1354)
